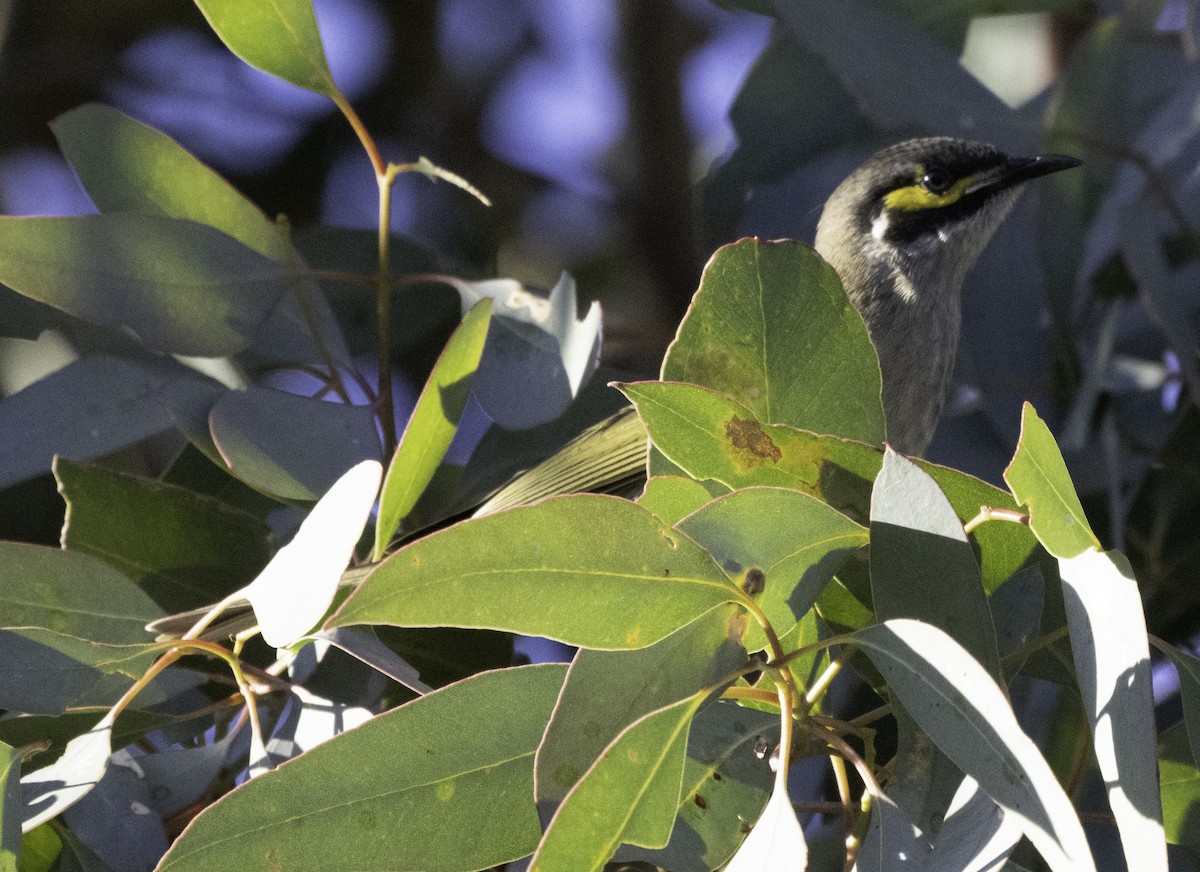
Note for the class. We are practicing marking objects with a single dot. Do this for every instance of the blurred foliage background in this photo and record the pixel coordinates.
(623, 141)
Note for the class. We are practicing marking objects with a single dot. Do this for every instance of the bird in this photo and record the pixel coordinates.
(902, 231)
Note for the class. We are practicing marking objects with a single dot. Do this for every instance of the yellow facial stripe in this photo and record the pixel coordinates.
(914, 198)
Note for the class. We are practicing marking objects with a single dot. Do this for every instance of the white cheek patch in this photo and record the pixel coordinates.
(879, 226)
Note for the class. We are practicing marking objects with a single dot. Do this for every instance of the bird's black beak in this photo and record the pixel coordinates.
(1019, 170)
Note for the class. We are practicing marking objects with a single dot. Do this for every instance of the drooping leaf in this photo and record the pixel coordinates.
(179, 286)
(297, 587)
(1112, 661)
(1187, 666)
(291, 447)
(1039, 479)
(794, 540)
(922, 566)
(965, 713)
(432, 425)
(604, 573)
(892, 841)
(127, 166)
(125, 401)
(277, 36)
(71, 593)
(771, 327)
(182, 548)
(976, 833)
(442, 794)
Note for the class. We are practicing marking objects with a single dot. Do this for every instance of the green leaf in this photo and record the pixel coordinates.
(922, 565)
(443, 794)
(291, 447)
(603, 573)
(673, 497)
(966, 714)
(70, 593)
(634, 683)
(125, 401)
(182, 548)
(771, 327)
(10, 803)
(725, 783)
(277, 36)
(127, 166)
(629, 794)
(181, 287)
(710, 436)
(1112, 662)
(1179, 782)
(1039, 479)
(432, 425)
(796, 541)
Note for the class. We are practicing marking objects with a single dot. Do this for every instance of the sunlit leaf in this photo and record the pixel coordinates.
(603, 573)
(794, 540)
(127, 166)
(48, 791)
(432, 425)
(277, 36)
(771, 327)
(776, 842)
(1112, 660)
(1039, 479)
(672, 497)
(968, 717)
(296, 588)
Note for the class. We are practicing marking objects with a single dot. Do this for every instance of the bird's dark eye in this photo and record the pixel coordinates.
(937, 181)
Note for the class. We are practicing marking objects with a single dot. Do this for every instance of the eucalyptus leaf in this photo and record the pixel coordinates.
(771, 327)
(297, 587)
(921, 562)
(636, 683)
(291, 447)
(604, 573)
(94, 406)
(629, 794)
(442, 796)
(71, 593)
(49, 791)
(10, 800)
(128, 166)
(1112, 661)
(968, 717)
(673, 497)
(182, 548)
(277, 36)
(777, 841)
(1039, 479)
(432, 425)
(793, 539)
(539, 354)
(179, 286)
